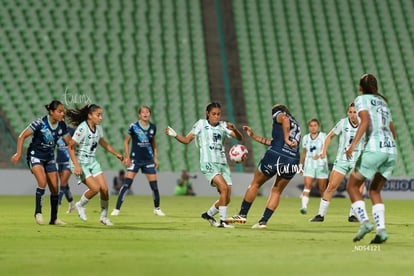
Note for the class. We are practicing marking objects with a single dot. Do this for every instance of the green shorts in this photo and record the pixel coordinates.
(321, 172)
(210, 170)
(369, 163)
(342, 166)
(88, 169)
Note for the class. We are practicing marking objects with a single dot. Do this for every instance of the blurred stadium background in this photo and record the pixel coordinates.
(178, 55)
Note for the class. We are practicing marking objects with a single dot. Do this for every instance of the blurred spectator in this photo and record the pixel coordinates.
(184, 186)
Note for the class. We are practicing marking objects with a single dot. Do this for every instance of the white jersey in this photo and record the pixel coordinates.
(210, 139)
(314, 147)
(378, 137)
(346, 132)
(87, 142)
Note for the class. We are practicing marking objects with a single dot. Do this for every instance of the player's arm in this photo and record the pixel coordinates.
(392, 128)
(180, 138)
(110, 149)
(155, 151)
(285, 122)
(303, 156)
(326, 143)
(235, 132)
(257, 138)
(127, 159)
(20, 141)
(363, 126)
(72, 144)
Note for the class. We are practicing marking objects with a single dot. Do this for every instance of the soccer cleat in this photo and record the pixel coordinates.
(158, 212)
(364, 229)
(317, 218)
(71, 207)
(81, 212)
(223, 224)
(115, 212)
(106, 221)
(57, 222)
(303, 211)
(380, 237)
(260, 225)
(39, 219)
(237, 218)
(210, 219)
(353, 219)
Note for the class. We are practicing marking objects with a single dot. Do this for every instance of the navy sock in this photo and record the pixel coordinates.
(53, 207)
(266, 215)
(155, 193)
(123, 192)
(68, 194)
(245, 207)
(39, 196)
(62, 191)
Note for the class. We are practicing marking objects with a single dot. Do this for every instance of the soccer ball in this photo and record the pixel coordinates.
(238, 153)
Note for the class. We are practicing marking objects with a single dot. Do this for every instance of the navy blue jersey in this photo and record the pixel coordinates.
(62, 154)
(44, 138)
(141, 149)
(278, 141)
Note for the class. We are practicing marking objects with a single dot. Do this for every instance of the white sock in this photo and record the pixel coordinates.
(83, 201)
(323, 207)
(378, 211)
(223, 212)
(104, 208)
(305, 201)
(360, 211)
(212, 211)
(351, 212)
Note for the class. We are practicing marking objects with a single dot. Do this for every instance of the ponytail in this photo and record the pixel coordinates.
(78, 115)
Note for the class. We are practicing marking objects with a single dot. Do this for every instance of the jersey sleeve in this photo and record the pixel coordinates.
(337, 129)
(35, 125)
(130, 129)
(64, 128)
(225, 129)
(360, 104)
(196, 128)
(305, 142)
(79, 134)
(100, 131)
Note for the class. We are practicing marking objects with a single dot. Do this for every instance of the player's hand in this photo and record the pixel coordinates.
(127, 162)
(120, 157)
(348, 152)
(170, 131)
(230, 126)
(15, 158)
(77, 170)
(248, 130)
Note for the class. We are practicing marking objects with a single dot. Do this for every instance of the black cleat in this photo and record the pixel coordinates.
(317, 218)
(353, 219)
(210, 219)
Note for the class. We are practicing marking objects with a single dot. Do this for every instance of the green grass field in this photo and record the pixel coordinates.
(183, 244)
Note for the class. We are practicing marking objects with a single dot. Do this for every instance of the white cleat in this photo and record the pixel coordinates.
(259, 226)
(158, 212)
(58, 222)
(71, 207)
(39, 219)
(115, 212)
(106, 221)
(81, 212)
(223, 224)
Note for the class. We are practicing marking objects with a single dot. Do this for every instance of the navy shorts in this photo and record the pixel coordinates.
(49, 165)
(146, 167)
(63, 166)
(274, 163)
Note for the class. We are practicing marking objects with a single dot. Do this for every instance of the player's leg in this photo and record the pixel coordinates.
(53, 184)
(307, 186)
(224, 194)
(64, 176)
(129, 178)
(104, 198)
(153, 183)
(40, 175)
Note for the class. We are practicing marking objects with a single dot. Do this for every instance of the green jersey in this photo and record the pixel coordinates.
(346, 132)
(210, 140)
(378, 137)
(88, 141)
(314, 147)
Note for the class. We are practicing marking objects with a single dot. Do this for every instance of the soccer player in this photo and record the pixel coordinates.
(143, 156)
(62, 160)
(45, 133)
(377, 159)
(314, 165)
(345, 129)
(83, 164)
(281, 159)
(210, 134)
